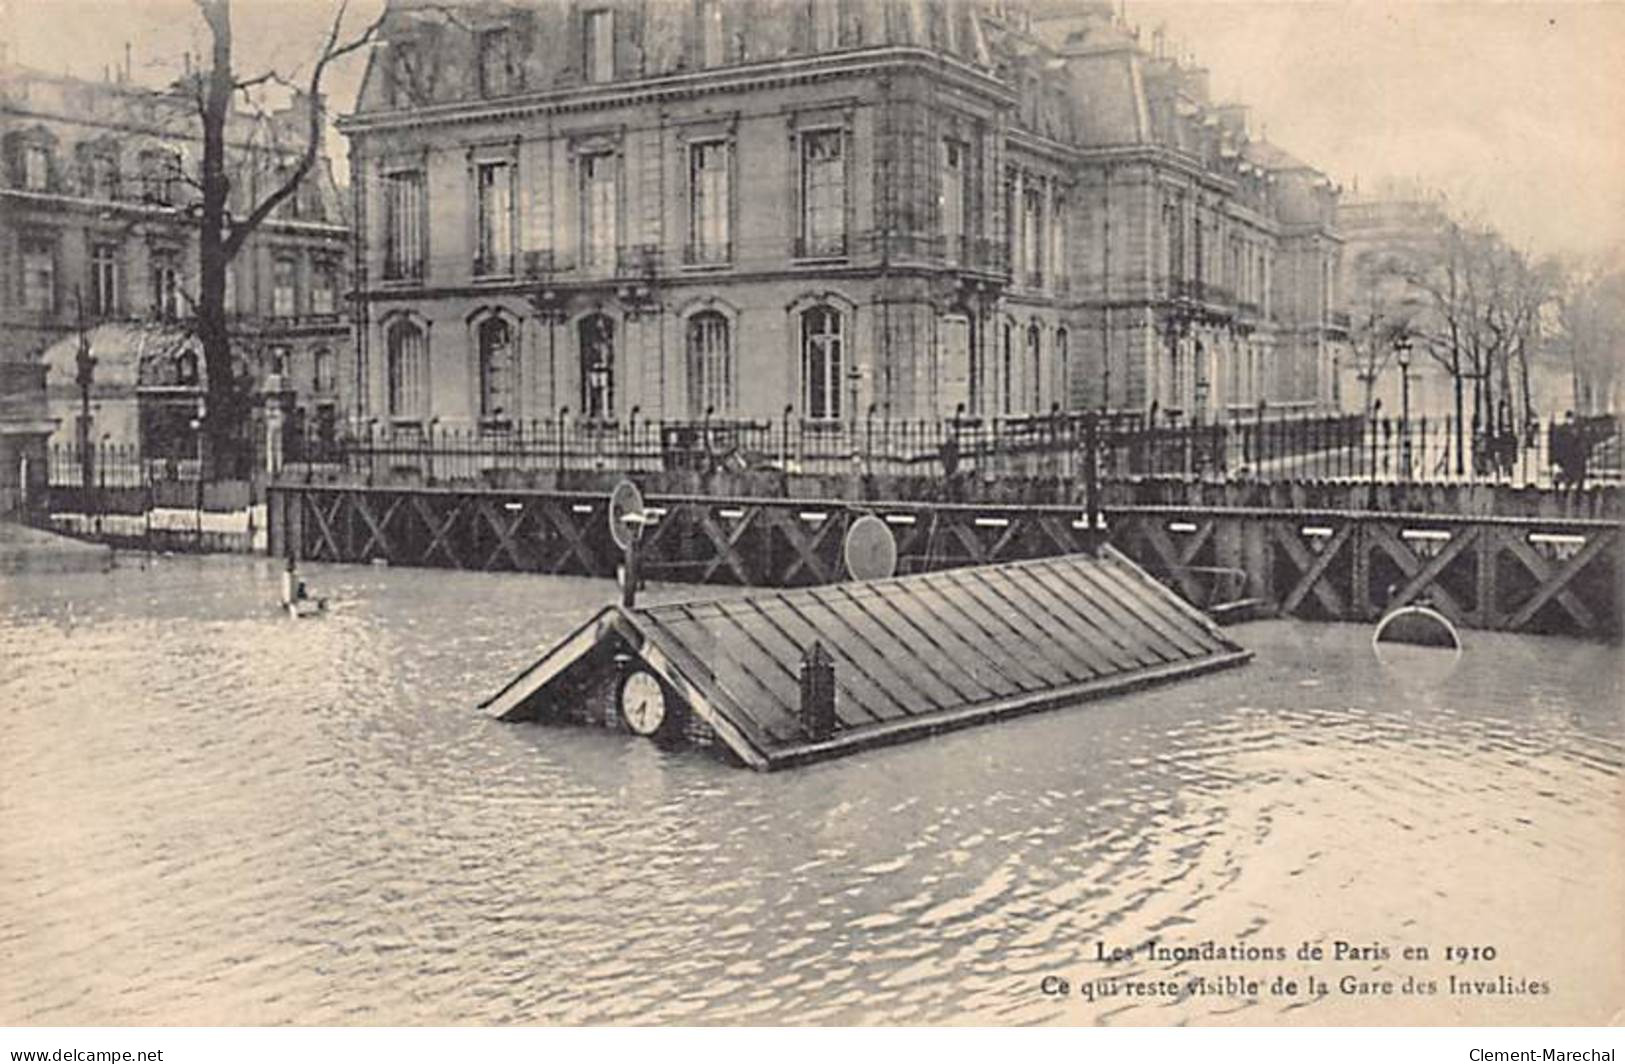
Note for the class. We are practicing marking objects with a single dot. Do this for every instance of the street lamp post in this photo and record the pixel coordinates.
(1402, 355)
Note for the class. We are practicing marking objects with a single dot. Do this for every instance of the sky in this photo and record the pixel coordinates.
(1515, 110)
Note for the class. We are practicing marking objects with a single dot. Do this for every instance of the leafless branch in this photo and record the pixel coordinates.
(332, 50)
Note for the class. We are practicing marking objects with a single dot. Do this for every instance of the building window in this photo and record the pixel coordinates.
(102, 175)
(825, 16)
(494, 210)
(956, 385)
(277, 359)
(403, 72)
(1063, 369)
(160, 170)
(598, 208)
(39, 276)
(1032, 228)
(496, 62)
(821, 362)
(166, 284)
(823, 192)
(1198, 251)
(1057, 234)
(709, 189)
(598, 45)
(323, 376)
(1173, 241)
(495, 338)
(36, 167)
(1008, 392)
(407, 352)
(711, 37)
(710, 365)
(284, 286)
(955, 174)
(597, 337)
(324, 287)
(103, 280)
(1035, 368)
(403, 226)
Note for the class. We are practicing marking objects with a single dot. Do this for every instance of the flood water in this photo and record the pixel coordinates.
(212, 813)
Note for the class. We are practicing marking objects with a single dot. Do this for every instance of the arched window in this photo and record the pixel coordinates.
(710, 365)
(495, 341)
(821, 362)
(1063, 370)
(1035, 368)
(597, 341)
(407, 352)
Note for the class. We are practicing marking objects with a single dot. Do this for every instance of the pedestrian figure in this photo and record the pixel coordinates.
(1569, 453)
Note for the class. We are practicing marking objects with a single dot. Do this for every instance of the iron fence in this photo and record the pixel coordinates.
(1125, 445)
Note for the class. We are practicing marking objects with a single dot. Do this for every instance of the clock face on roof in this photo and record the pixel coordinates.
(643, 702)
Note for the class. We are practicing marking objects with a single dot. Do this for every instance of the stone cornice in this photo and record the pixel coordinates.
(868, 62)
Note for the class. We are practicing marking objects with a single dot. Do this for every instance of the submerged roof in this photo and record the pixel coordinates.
(912, 654)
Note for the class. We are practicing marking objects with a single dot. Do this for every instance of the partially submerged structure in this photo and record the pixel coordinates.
(778, 678)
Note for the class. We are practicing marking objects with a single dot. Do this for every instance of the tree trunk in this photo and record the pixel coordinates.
(222, 416)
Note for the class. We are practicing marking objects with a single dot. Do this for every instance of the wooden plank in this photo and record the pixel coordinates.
(1543, 572)
(874, 698)
(1102, 605)
(1177, 626)
(1119, 653)
(1383, 538)
(1136, 610)
(726, 544)
(699, 675)
(1027, 598)
(712, 703)
(724, 642)
(909, 728)
(849, 704)
(967, 627)
(948, 651)
(1021, 636)
(1184, 615)
(872, 601)
(377, 526)
(1317, 571)
(877, 652)
(1055, 609)
(1559, 581)
(1291, 541)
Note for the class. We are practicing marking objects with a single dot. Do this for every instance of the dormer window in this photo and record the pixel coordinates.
(160, 169)
(496, 61)
(403, 70)
(36, 167)
(101, 174)
(598, 45)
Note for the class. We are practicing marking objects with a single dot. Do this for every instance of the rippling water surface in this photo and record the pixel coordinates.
(211, 813)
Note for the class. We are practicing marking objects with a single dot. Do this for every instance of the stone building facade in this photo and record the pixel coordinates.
(98, 234)
(827, 209)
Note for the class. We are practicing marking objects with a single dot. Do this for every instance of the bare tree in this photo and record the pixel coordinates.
(1484, 305)
(222, 237)
(1383, 309)
(1591, 320)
